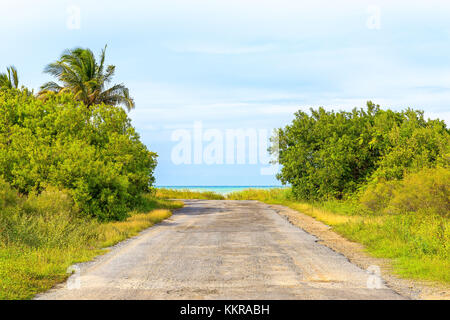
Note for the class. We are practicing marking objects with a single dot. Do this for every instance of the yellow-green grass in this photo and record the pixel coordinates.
(26, 271)
(417, 243)
(187, 194)
(31, 267)
(114, 232)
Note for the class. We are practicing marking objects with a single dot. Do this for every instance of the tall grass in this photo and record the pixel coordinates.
(114, 232)
(187, 194)
(425, 190)
(276, 194)
(42, 235)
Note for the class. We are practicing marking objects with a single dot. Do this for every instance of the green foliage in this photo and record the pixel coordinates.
(333, 154)
(376, 196)
(49, 219)
(426, 191)
(187, 194)
(417, 242)
(8, 197)
(94, 153)
(10, 79)
(84, 76)
(275, 194)
(412, 145)
(149, 202)
(41, 235)
(416, 239)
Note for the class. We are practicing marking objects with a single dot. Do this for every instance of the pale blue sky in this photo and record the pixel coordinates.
(241, 64)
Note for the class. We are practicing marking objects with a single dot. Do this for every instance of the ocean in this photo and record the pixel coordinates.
(218, 189)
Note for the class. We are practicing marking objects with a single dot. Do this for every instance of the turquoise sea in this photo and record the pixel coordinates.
(218, 189)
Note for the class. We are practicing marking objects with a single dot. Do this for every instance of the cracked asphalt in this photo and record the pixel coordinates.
(221, 249)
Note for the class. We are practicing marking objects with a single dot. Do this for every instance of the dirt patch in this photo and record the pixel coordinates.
(356, 254)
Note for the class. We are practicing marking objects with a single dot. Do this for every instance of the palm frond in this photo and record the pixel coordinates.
(102, 60)
(14, 77)
(10, 79)
(78, 72)
(117, 94)
(110, 70)
(51, 86)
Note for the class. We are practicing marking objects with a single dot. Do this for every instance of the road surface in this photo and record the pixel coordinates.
(217, 249)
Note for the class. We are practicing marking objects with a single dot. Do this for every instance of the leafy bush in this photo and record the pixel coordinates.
(94, 153)
(332, 154)
(42, 234)
(413, 145)
(376, 196)
(8, 197)
(48, 220)
(426, 191)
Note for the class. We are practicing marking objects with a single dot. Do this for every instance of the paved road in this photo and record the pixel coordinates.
(213, 249)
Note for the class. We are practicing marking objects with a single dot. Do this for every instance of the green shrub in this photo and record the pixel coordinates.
(94, 153)
(47, 220)
(328, 154)
(8, 197)
(427, 190)
(376, 196)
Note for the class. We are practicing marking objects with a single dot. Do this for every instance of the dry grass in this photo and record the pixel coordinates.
(323, 215)
(417, 242)
(187, 194)
(114, 232)
(41, 236)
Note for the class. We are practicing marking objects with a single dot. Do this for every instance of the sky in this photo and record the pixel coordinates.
(248, 65)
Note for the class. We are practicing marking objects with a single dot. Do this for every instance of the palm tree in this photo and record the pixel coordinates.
(79, 73)
(10, 79)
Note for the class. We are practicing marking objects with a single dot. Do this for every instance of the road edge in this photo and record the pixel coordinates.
(356, 254)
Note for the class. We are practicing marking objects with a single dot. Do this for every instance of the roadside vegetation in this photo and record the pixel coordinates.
(378, 177)
(74, 176)
(41, 235)
(417, 240)
(163, 193)
(327, 154)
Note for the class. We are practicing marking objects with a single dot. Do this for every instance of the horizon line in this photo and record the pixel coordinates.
(221, 186)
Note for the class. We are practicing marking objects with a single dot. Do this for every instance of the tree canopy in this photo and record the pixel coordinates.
(92, 152)
(333, 154)
(80, 73)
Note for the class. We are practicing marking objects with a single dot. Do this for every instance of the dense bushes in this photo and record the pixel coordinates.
(381, 178)
(425, 191)
(334, 154)
(94, 153)
(41, 235)
(48, 220)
